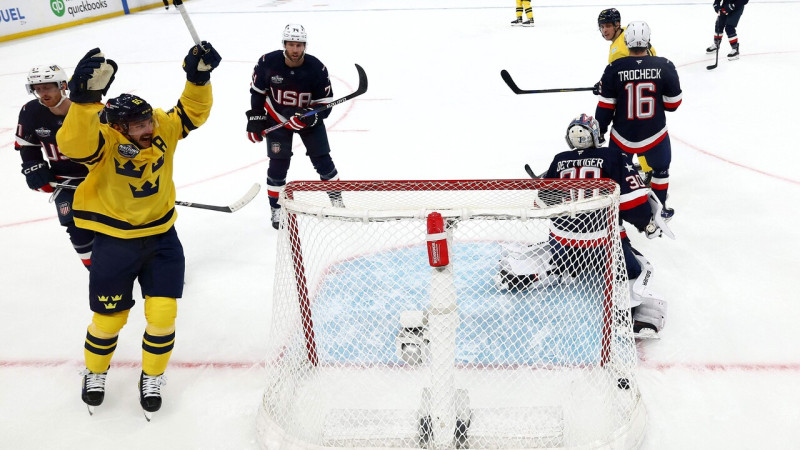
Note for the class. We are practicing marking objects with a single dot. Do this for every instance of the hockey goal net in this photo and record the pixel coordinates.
(451, 314)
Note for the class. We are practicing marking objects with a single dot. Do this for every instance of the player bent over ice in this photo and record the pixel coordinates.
(128, 199)
(570, 240)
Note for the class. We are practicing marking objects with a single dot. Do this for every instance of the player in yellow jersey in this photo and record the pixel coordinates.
(609, 23)
(128, 199)
(526, 6)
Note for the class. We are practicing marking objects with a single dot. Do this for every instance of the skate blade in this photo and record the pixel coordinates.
(91, 409)
(733, 58)
(147, 415)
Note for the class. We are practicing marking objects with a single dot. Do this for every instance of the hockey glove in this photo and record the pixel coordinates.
(199, 63)
(298, 122)
(596, 88)
(92, 77)
(256, 124)
(727, 8)
(38, 175)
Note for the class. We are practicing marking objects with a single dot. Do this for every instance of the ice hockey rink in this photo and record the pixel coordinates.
(725, 373)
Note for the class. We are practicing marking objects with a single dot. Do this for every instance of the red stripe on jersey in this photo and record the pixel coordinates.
(638, 149)
(630, 204)
(672, 105)
(606, 105)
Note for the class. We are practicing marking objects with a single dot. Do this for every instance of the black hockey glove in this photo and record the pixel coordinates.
(92, 77)
(256, 124)
(596, 88)
(298, 122)
(38, 175)
(199, 63)
(727, 8)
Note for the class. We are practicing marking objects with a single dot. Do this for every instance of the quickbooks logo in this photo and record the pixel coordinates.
(58, 7)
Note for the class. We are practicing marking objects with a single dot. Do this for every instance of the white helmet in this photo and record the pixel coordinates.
(583, 132)
(46, 74)
(294, 33)
(637, 35)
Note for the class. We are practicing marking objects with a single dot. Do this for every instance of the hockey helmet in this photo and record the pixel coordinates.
(294, 33)
(44, 75)
(637, 35)
(125, 109)
(583, 132)
(610, 15)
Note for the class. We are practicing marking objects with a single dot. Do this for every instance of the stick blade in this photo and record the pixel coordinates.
(362, 80)
(510, 82)
(248, 196)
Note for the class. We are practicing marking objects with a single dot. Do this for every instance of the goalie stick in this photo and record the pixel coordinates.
(510, 82)
(533, 175)
(233, 207)
(362, 87)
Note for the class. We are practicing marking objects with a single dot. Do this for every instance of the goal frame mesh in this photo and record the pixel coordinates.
(575, 197)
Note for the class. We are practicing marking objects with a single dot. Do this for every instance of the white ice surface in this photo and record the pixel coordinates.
(725, 373)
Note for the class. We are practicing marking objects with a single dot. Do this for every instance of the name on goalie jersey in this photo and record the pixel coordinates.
(640, 74)
(586, 162)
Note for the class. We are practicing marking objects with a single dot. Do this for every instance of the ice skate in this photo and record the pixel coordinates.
(527, 23)
(94, 389)
(517, 22)
(150, 393)
(734, 54)
(275, 214)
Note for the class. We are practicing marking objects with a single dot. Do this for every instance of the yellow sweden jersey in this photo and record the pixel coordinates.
(620, 50)
(123, 196)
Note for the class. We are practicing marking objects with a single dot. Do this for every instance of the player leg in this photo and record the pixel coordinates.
(719, 25)
(526, 4)
(518, 21)
(659, 159)
(115, 263)
(649, 310)
(279, 150)
(81, 239)
(161, 279)
(730, 30)
(319, 151)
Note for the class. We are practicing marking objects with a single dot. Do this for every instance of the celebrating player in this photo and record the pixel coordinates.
(634, 94)
(128, 199)
(288, 83)
(728, 15)
(523, 5)
(39, 120)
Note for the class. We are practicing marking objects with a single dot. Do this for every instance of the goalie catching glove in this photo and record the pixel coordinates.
(92, 77)
(199, 63)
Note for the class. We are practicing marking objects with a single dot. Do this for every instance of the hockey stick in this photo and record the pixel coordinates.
(533, 175)
(510, 82)
(362, 87)
(179, 4)
(716, 60)
(233, 207)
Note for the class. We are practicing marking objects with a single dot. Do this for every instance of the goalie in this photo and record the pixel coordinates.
(569, 250)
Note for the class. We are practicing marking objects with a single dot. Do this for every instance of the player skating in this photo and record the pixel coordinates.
(728, 15)
(128, 199)
(523, 5)
(39, 121)
(634, 94)
(286, 84)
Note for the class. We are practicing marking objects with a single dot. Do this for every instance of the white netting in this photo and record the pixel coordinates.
(523, 341)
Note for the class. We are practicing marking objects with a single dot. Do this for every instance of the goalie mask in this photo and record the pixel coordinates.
(637, 35)
(583, 132)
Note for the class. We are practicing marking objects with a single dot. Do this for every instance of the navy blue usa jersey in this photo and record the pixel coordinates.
(36, 131)
(603, 163)
(282, 90)
(635, 91)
